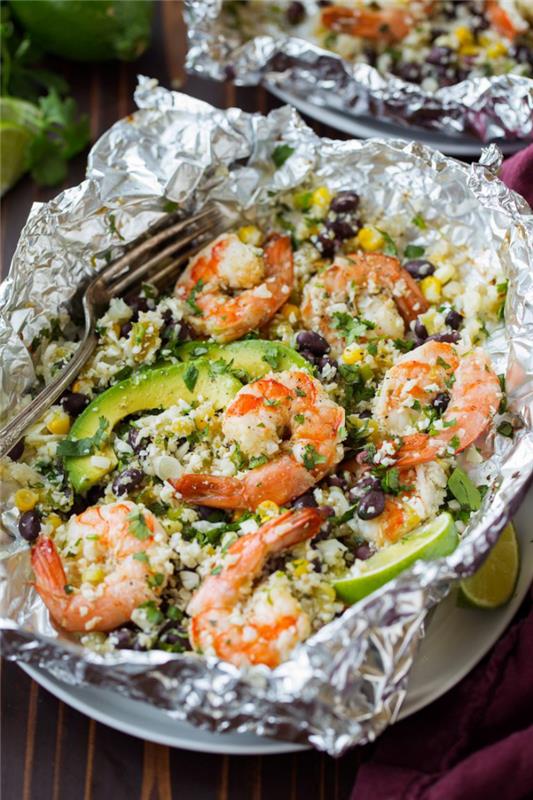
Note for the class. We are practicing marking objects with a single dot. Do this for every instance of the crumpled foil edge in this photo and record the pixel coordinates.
(345, 684)
(488, 108)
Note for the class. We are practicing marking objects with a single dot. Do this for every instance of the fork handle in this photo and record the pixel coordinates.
(12, 433)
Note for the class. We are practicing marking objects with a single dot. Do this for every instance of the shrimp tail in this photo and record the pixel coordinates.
(211, 490)
(50, 578)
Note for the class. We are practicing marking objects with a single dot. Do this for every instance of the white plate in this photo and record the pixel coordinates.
(455, 641)
(363, 127)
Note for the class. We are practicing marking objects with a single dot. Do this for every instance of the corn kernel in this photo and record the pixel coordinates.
(290, 312)
(93, 574)
(25, 499)
(445, 273)
(327, 592)
(431, 288)
(54, 520)
(370, 239)
(496, 50)
(59, 424)
(469, 50)
(267, 509)
(76, 386)
(353, 355)
(300, 567)
(249, 234)
(464, 35)
(320, 200)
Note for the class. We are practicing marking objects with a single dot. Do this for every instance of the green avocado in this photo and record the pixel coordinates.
(148, 389)
(255, 357)
(88, 31)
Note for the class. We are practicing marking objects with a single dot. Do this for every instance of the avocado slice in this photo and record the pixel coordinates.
(148, 389)
(255, 357)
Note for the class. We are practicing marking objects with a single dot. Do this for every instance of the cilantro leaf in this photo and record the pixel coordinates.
(390, 248)
(86, 446)
(506, 429)
(191, 299)
(138, 526)
(281, 153)
(312, 457)
(351, 327)
(414, 251)
(419, 221)
(190, 376)
(272, 356)
(464, 491)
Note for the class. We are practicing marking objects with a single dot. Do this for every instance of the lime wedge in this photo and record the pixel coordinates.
(432, 540)
(19, 122)
(493, 584)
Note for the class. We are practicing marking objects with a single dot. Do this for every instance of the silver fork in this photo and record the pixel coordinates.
(155, 259)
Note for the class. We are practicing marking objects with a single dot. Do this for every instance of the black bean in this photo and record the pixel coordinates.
(364, 551)
(123, 638)
(441, 56)
(295, 13)
(229, 71)
(138, 646)
(409, 71)
(326, 361)
(363, 486)
(324, 3)
(421, 331)
(441, 401)
(367, 414)
(345, 201)
(94, 494)
(448, 338)
(370, 55)
(186, 332)
(125, 329)
(212, 514)
(176, 638)
(127, 480)
(419, 268)
(522, 54)
(341, 228)
(30, 525)
(328, 511)
(136, 302)
(136, 441)
(17, 450)
(313, 342)
(79, 504)
(306, 500)
(337, 481)
(371, 505)
(325, 245)
(74, 403)
(454, 319)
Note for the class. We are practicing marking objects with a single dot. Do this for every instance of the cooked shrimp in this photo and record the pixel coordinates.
(471, 389)
(263, 633)
(501, 20)
(388, 24)
(391, 297)
(114, 535)
(290, 404)
(227, 266)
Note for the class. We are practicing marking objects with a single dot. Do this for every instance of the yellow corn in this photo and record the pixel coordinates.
(353, 355)
(431, 288)
(267, 509)
(54, 520)
(25, 499)
(464, 35)
(76, 386)
(93, 574)
(469, 50)
(59, 424)
(445, 273)
(290, 312)
(250, 234)
(370, 239)
(300, 567)
(496, 50)
(320, 200)
(327, 592)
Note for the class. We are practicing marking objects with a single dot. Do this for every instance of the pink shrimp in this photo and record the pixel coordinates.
(341, 283)
(290, 404)
(417, 378)
(379, 24)
(263, 637)
(226, 267)
(500, 20)
(118, 533)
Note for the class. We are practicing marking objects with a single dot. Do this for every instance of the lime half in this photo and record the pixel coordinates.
(493, 584)
(19, 122)
(432, 540)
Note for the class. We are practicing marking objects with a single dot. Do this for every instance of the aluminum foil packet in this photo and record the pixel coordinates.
(488, 108)
(346, 683)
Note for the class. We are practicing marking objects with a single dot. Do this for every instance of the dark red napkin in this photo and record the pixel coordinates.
(475, 742)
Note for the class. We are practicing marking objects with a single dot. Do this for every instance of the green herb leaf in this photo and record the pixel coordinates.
(272, 356)
(156, 580)
(86, 446)
(257, 461)
(281, 153)
(312, 457)
(138, 526)
(403, 345)
(190, 377)
(464, 491)
(68, 588)
(455, 443)
(141, 556)
(351, 327)
(506, 429)
(153, 614)
(419, 221)
(299, 419)
(414, 251)
(390, 248)
(191, 299)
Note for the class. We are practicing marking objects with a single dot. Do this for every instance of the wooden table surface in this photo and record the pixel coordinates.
(48, 750)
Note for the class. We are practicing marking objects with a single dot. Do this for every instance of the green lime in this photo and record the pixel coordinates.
(88, 31)
(20, 112)
(14, 142)
(493, 584)
(432, 540)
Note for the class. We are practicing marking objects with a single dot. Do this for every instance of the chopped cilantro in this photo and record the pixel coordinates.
(138, 526)
(299, 419)
(281, 153)
(414, 251)
(238, 458)
(190, 377)
(300, 392)
(257, 461)
(312, 457)
(153, 614)
(403, 345)
(455, 443)
(419, 221)
(503, 402)
(390, 481)
(271, 402)
(442, 363)
(506, 429)
(351, 327)
(141, 556)
(272, 356)
(216, 570)
(68, 588)
(175, 613)
(390, 248)
(464, 491)
(86, 446)
(191, 300)
(302, 201)
(218, 367)
(156, 579)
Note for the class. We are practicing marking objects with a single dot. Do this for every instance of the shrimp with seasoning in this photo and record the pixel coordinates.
(121, 536)
(388, 24)
(467, 384)
(268, 632)
(289, 422)
(230, 289)
(391, 297)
